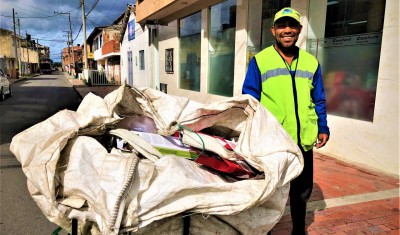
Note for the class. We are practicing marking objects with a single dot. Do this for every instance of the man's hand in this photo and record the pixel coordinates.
(322, 139)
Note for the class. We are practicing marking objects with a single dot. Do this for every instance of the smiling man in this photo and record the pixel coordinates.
(288, 82)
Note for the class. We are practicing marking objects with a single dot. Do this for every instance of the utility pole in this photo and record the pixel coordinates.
(27, 49)
(70, 31)
(19, 25)
(72, 40)
(20, 55)
(15, 46)
(84, 33)
(69, 53)
(38, 52)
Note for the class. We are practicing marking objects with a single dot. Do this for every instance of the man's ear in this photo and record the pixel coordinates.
(273, 31)
(300, 28)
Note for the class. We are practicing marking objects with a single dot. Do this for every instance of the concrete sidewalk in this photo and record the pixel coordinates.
(346, 199)
(83, 89)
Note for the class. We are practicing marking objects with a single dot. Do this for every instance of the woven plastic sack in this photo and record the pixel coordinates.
(71, 175)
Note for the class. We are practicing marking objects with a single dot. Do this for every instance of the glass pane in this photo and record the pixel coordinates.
(189, 52)
(350, 82)
(345, 17)
(261, 15)
(190, 25)
(349, 55)
(222, 48)
(269, 8)
(141, 59)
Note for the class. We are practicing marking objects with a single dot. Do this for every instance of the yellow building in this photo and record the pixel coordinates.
(27, 54)
(8, 60)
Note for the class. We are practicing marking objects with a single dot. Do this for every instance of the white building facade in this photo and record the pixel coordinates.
(201, 50)
(136, 63)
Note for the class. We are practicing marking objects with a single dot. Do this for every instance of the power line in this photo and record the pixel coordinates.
(51, 40)
(78, 32)
(24, 4)
(39, 17)
(111, 7)
(93, 6)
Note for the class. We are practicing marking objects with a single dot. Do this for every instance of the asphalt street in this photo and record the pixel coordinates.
(33, 101)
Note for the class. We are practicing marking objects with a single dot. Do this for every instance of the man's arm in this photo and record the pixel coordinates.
(318, 96)
(252, 81)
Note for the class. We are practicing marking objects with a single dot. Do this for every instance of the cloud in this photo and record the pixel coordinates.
(43, 21)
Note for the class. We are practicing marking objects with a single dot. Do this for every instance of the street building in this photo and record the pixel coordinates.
(201, 49)
(136, 65)
(24, 59)
(71, 59)
(104, 43)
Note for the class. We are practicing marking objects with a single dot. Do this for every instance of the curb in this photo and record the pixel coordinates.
(77, 92)
(14, 80)
(67, 76)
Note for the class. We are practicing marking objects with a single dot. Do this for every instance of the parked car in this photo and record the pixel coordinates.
(5, 89)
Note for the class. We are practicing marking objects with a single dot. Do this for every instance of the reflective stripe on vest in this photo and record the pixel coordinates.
(284, 71)
(278, 97)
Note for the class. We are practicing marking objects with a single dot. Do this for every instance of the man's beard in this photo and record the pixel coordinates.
(284, 49)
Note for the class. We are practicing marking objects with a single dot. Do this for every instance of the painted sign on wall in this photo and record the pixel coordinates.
(131, 30)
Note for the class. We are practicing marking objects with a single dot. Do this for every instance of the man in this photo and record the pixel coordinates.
(288, 82)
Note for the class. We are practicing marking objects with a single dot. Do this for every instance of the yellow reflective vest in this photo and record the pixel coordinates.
(288, 96)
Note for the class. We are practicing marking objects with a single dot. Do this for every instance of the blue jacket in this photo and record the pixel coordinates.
(252, 86)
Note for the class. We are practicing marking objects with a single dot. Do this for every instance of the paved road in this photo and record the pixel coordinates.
(33, 101)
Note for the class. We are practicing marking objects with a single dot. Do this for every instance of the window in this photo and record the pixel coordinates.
(96, 44)
(348, 17)
(169, 60)
(189, 52)
(261, 17)
(349, 55)
(222, 48)
(141, 60)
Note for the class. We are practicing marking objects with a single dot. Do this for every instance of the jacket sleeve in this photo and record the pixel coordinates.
(252, 81)
(318, 96)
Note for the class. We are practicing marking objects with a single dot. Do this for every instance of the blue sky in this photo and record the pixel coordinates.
(43, 21)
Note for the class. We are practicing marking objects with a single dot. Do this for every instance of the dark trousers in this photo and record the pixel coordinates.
(300, 192)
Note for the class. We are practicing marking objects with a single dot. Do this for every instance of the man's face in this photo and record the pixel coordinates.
(286, 31)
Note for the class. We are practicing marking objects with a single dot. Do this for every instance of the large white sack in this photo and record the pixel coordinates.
(128, 194)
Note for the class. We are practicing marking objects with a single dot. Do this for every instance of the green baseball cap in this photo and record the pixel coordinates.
(287, 12)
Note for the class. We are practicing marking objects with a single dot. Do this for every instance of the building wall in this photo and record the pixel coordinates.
(7, 48)
(168, 38)
(372, 144)
(29, 55)
(7, 43)
(7, 51)
(141, 78)
(29, 61)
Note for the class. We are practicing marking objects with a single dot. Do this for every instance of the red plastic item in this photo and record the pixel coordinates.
(222, 165)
